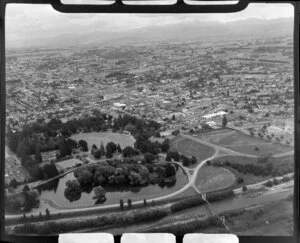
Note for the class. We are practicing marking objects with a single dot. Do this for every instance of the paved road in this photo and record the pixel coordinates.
(191, 178)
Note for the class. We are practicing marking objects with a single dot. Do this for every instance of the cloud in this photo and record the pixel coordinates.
(25, 21)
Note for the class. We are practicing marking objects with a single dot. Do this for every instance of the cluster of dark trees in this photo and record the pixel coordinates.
(129, 152)
(54, 135)
(136, 216)
(275, 181)
(257, 170)
(38, 171)
(145, 146)
(23, 201)
(118, 173)
(33, 162)
(48, 133)
(197, 200)
(186, 161)
(108, 151)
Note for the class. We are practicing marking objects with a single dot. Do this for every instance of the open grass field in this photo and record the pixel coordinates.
(242, 143)
(280, 164)
(104, 137)
(211, 178)
(285, 161)
(191, 148)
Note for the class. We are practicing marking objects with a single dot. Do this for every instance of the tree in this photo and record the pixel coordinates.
(129, 202)
(194, 160)
(37, 155)
(170, 170)
(50, 170)
(121, 204)
(186, 161)
(240, 180)
(109, 153)
(129, 151)
(176, 132)
(13, 183)
(102, 150)
(83, 145)
(112, 147)
(26, 189)
(130, 128)
(97, 154)
(173, 117)
(73, 190)
(64, 148)
(165, 146)
(224, 121)
(145, 202)
(93, 149)
(99, 194)
(169, 156)
(85, 177)
(47, 213)
(119, 149)
(135, 178)
(148, 157)
(176, 156)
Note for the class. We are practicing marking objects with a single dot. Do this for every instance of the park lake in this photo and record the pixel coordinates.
(53, 193)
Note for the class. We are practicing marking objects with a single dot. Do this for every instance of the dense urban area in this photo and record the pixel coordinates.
(151, 137)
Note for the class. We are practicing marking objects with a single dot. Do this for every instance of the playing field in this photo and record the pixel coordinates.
(104, 137)
(211, 178)
(191, 148)
(242, 143)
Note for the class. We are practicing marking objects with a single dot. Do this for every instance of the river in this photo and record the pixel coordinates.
(240, 201)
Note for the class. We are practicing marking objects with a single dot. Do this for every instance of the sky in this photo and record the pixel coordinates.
(210, 238)
(148, 238)
(86, 237)
(29, 21)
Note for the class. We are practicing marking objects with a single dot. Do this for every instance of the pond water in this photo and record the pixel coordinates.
(56, 188)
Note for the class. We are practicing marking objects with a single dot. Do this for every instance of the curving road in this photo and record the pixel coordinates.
(191, 181)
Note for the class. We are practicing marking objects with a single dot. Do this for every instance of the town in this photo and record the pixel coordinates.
(168, 120)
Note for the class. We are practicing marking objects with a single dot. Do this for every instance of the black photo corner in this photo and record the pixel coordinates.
(130, 155)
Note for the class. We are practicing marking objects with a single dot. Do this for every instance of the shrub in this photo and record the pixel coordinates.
(285, 179)
(269, 183)
(275, 181)
(245, 188)
(240, 180)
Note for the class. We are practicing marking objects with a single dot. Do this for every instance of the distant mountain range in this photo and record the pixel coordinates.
(186, 31)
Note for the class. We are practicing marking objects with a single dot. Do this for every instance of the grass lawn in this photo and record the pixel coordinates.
(280, 164)
(240, 142)
(191, 148)
(211, 178)
(286, 161)
(104, 137)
